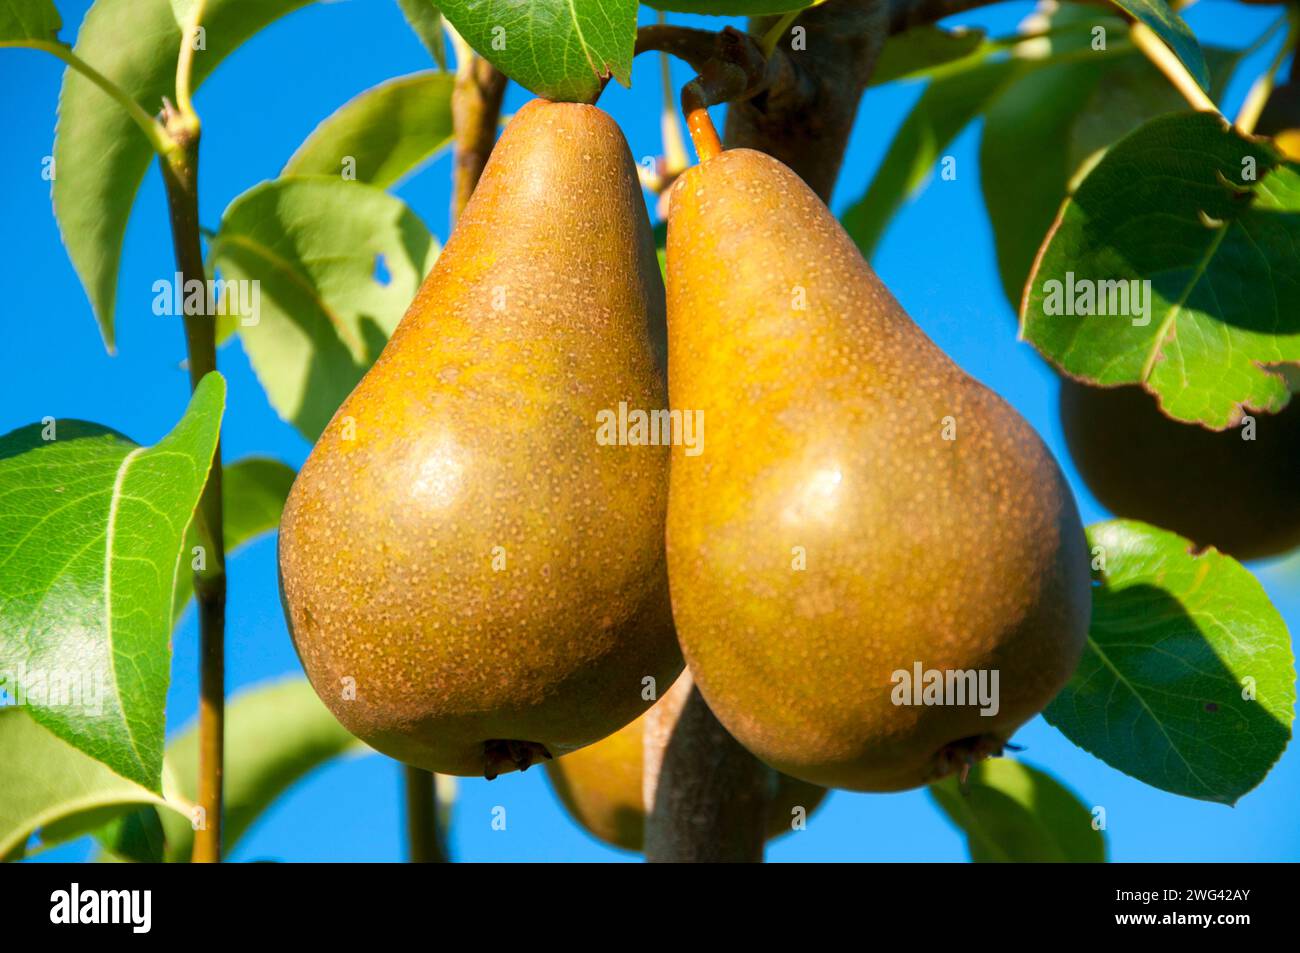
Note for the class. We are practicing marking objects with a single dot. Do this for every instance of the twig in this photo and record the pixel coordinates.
(422, 816)
(691, 46)
(675, 158)
(180, 175)
(476, 113)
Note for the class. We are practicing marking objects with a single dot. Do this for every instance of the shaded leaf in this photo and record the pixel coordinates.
(338, 264)
(47, 785)
(1011, 812)
(920, 50)
(91, 527)
(1170, 27)
(26, 20)
(386, 131)
(563, 50)
(426, 20)
(275, 734)
(1048, 128)
(1187, 681)
(136, 836)
(947, 106)
(253, 491)
(100, 154)
(1174, 203)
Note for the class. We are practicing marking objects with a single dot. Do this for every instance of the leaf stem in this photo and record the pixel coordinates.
(153, 131)
(185, 61)
(1167, 61)
(180, 176)
(1262, 89)
(773, 36)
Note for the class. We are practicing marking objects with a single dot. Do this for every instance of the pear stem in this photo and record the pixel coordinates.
(703, 133)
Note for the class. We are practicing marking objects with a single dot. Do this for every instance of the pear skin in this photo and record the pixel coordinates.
(602, 785)
(473, 581)
(860, 504)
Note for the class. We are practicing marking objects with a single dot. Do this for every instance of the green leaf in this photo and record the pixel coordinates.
(316, 244)
(1025, 160)
(562, 50)
(24, 20)
(1065, 115)
(100, 154)
(275, 734)
(732, 8)
(253, 491)
(383, 133)
(136, 836)
(1187, 681)
(1177, 35)
(1011, 812)
(51, 787)
(91, 527)
(920, 50)
(1174, 203)
(948, 105)
(426, 21)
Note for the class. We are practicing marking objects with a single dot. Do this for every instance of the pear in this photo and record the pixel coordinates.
(858, 509)
(603, 785)
(1235, 489)
(472, 579)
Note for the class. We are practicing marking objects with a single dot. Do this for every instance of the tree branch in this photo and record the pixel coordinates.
(805, 115)
(706, 796)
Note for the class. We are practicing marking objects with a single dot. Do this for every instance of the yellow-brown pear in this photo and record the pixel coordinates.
(602, 786)
(860, 507)
(472, 580)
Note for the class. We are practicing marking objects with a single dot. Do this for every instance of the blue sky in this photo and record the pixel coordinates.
(260, 104)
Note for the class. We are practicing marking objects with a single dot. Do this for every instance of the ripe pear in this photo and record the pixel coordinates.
(472, 580)
(1214, 487)
(860, 506)
(602, 786)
